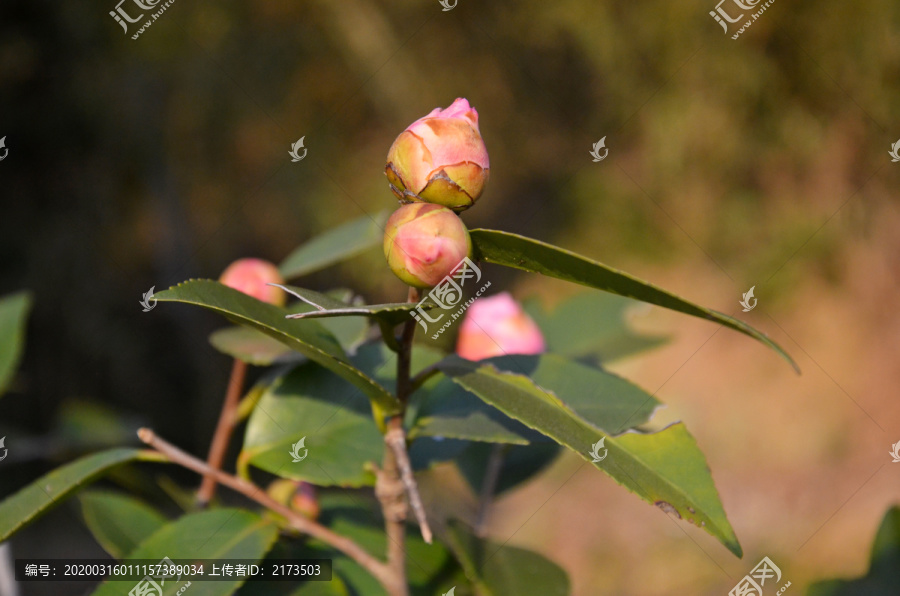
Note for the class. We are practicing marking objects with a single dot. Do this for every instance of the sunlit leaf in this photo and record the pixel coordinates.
(307, 337)
(665, 468)
(519, 252)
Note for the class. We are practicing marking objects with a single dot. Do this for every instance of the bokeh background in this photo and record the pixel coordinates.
(761, 161)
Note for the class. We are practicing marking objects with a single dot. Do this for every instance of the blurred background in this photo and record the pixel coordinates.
(761, 161)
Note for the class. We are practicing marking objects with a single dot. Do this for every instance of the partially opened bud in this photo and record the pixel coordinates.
(424, 243)
(497, 326)
(440, 158)
(250, 276)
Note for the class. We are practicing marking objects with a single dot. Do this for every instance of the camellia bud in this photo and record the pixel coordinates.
(424, 243)
(440, 158)
(250, 276)
(497, 326)
(305, 502)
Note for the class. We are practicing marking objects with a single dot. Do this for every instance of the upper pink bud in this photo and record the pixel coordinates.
(424, 243)
(250, 276)
(497, 326)
(440, 158)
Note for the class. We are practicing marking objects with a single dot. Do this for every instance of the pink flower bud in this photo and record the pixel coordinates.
(497, 326)
(440, 158)
(424, 243)
(250, 276)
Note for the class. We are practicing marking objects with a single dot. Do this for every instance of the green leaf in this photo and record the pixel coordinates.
(449, 411)
(13, 314)
(336, 420)
(31, 502)
(519, 252)
(500, 570)
(592, 326)
(215, 534)
(324, 306)
(665, 468)
(307, 337)
(118, 522)
(335, 245)
(884, 570)
(252, 346)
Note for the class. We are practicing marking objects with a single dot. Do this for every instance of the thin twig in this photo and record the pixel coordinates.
(423, 376)
(377, 568)
(395, 438)
(227, 419)
(488, 486)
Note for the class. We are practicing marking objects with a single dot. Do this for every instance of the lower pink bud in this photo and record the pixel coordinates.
(497, 326)
(424, 243)
(251, 277)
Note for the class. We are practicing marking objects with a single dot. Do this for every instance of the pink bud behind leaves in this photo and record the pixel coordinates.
(250, 276)
(423, 243)
(497, 326)
(440, 158)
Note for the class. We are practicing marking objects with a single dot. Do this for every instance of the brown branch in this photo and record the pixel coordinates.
(393, 583)
(227, 419)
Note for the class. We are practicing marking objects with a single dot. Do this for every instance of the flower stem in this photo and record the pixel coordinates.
(227, 419)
